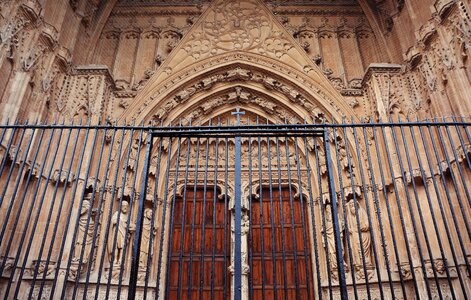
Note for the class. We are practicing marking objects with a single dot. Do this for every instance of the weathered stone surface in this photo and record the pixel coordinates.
(170, 62)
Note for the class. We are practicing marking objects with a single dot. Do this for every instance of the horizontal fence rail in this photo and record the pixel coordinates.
(236, 210)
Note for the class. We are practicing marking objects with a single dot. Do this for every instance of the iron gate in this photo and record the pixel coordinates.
(236, 210)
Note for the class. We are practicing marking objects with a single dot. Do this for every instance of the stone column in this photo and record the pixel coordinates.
(245, 223)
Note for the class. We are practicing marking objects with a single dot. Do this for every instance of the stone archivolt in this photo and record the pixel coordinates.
(238, 53)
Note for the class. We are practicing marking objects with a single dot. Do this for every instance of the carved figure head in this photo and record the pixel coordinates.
(124, 207)
(351, 207)
(148, 213)
(85, 206)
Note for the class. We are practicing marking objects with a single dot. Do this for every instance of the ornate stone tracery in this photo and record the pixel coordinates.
(163, 64)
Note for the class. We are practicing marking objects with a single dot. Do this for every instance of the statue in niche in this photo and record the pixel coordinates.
(84, 233)
(147, 230)
(244, 230)
(356, 243)
(133, 155)
(330, 242)
(119, 229)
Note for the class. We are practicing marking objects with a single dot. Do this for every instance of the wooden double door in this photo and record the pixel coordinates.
(278, 247)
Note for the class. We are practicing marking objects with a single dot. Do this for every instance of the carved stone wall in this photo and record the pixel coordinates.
(430, 42)
(182, 62)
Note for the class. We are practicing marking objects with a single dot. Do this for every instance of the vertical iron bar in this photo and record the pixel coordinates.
(462, 142)
(216, 155)
(110, 210)
(341, 195)
(118, 219)
(227, 217)
(288, 162)
(388, 207)
(335, 218)
(442, 210)
(4, 130)
(237, 217)
(48, 177)
(377, 209)
(51, 210)
(36, 189)
(424, 180)
(203, 225)
(153, 220)
(7, 148)
(12, 166)
(23, 235)
(323, 220)
(193, 217)
(69, 262)
(313, 220)
(411, 211)
(283, 254)
(250, 208)
(272, 217)
(89, 216)
(99, 209)
(260, 178)
(453, 214)
(140, 221)
(13, 196)
(370, 221)
(15, 189)
(172, 216)
(163, 221)
(401, 215)
(131, 205)
(454, 180)
(182, 233)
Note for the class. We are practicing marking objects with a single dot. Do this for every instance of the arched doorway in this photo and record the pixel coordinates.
(276, 214)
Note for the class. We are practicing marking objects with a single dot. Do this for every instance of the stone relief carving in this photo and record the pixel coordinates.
(359, 244)
(84, 239)
(84, 234)
(62, 176)
(240, 94)
(9, 263)
(245, 228)
(84, 92)
(147, 231)
(45, 292)
(171, 39)
(119, 229)
(9, 33)
(44, 267)
(239, 25)
(329, 241)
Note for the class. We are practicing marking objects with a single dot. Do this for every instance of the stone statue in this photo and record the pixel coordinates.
(330, 235)
(120, 234)
(365, 242)
(147, 230)
(244, 230)
(82, 232)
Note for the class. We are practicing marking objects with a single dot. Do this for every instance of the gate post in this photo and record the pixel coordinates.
(139, 222)
(237, 214)
(335, 217)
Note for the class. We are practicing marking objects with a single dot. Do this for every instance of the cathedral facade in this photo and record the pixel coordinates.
(242, 149)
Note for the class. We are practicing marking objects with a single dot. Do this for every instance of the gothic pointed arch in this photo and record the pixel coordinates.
(236, 43)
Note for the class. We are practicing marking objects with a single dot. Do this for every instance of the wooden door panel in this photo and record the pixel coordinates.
(284, 237)
(206, 249)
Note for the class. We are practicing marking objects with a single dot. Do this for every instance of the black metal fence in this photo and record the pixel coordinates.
(244, 211)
